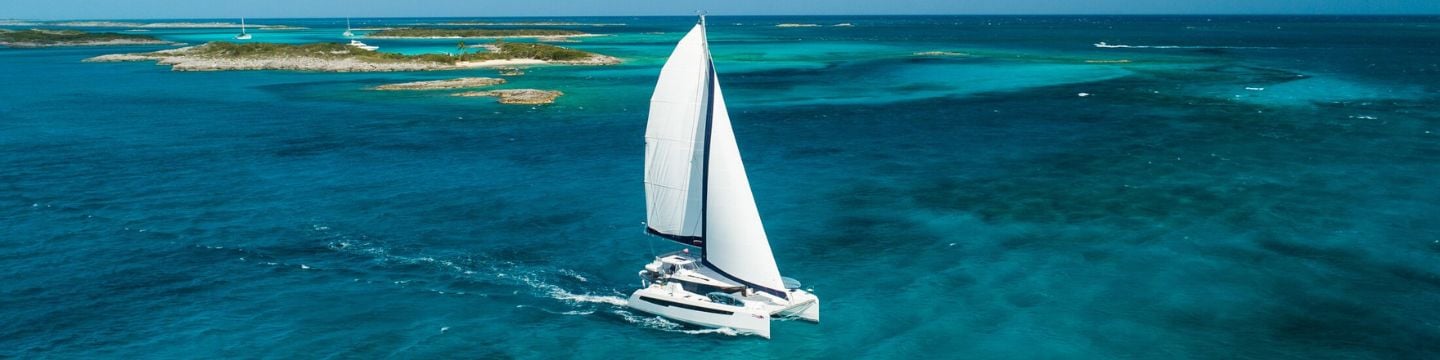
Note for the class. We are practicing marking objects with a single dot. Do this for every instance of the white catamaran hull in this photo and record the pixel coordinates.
(806, 307)
(694, 311)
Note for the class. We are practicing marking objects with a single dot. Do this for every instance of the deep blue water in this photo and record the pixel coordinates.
(1230, 187)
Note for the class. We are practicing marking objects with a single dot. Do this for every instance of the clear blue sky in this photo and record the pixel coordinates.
(155, 9)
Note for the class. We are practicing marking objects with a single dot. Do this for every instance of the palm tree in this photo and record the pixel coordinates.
(461, 47)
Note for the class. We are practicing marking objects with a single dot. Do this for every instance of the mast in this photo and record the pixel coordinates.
(709, 120)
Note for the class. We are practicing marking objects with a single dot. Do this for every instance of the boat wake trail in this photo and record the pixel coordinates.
(570, 312)
(541, 281)
(559, 293)
(458, 275)
(1104, 45)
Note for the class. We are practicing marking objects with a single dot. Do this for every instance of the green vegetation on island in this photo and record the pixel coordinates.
(503, 50)
(500, 50)
(256, 50)
(217, 56)
(472, 33)
(44, 38)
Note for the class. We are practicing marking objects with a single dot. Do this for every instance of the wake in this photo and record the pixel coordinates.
(660, 323)
(1104, 45)
(542, 282)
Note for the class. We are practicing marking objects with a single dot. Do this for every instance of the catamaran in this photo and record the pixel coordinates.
(243, 35)
(697, 194)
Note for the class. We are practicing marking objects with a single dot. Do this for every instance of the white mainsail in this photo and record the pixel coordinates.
(696, 188)
(675, 142)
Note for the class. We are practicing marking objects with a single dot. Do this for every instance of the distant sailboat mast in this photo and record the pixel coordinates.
(243, 35)
(347, 32)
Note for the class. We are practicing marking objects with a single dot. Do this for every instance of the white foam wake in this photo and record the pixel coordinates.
(1104, 45)
(601, 299)
(559, 293)
(569, 312)
(504, 271)
(510, 273)
(659, 323)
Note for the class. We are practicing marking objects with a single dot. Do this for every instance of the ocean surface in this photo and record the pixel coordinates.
(951, 187)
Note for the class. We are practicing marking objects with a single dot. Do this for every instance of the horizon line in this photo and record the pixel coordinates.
(759, 15)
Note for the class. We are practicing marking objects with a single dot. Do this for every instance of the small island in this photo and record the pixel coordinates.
(336, 57)
(168, 25)
(503, 96)
(530, 23)
(460, 83)
(414, 33)
(48, 38)
(517, 96)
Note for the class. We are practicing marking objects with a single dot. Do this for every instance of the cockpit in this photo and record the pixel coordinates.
(670, 264)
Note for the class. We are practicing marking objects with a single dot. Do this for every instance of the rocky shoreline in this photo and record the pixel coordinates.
(503, 96)
(517, 96)
(448, 84)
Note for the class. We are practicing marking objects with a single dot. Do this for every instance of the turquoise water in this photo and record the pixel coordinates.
(971, 205)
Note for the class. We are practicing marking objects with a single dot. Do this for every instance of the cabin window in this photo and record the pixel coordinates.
(724, 299)
(698, 288)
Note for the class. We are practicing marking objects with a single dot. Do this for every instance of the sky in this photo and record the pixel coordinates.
(169, 9)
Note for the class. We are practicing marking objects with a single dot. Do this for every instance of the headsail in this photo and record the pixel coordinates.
(696, 190)
(674, 143)
(736, 244)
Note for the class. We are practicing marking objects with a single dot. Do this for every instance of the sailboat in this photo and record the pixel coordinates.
(243, 35)
(697, 194)
(347, 32)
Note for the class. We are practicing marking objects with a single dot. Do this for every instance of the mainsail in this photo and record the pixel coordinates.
(675, 143)
(696, 190)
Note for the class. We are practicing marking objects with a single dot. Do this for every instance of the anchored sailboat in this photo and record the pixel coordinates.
(347, 32)
(697, 194)
(243, 35)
